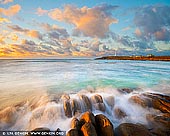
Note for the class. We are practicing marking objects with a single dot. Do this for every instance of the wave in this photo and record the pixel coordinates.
(57, 110)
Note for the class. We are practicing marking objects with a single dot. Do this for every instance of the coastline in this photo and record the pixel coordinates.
(141, 58)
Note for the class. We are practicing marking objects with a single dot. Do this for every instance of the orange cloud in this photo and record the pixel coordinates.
(93, 22)
(11, 11)
(34, 34)
(6, 1)
(126, 28)
(138, 32)
(41, 11)
(2, 38)
(31, 33)
(15, 37)
(2, 20)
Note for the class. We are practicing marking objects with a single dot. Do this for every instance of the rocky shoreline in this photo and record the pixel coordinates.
(85, 123)
(140, 58)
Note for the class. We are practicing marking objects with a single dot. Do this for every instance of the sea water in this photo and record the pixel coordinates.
(31, 89)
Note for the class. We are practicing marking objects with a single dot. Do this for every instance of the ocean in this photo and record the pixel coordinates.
(31, 90)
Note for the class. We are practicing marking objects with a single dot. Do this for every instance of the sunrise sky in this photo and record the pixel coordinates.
(81, 28)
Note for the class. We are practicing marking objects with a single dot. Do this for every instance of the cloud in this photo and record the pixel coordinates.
(34, 34)
(92, 22)
(11, 11)
(138, 32)
(2, 20)
(153, 22)
(5, 1)
(31, 33)
(17, 28)
(2, 38)
(126, 28)
(41, 11)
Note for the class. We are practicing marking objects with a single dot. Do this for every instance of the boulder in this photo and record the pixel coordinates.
(74, 123)
(98, 102)
(129, 129)
(139, 100)
(72, 132)
(159, 124)
(100, 106)
(87, 103)
(110, 100)
(103, 126)
(67, 109)
(159, 101)
(125, 90)
(88, 130)
(65, 97)
(119, 113)
(88, 117)
(76, 108)
(42, 129)
(8, 115)
(96, 99)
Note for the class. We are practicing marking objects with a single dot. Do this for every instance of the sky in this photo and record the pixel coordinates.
(81, 28)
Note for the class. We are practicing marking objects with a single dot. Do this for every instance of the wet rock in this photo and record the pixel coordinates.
(97, 98)
(75, 123)
(42, 129)
(76, 108)
(103, 126)
(87, 103)
(129, 129)
(67, 109)
(72, 132)
(159, 101)
(125, 90)
(144, 102)
(110, 100)
(88, 129)
(100, 106)
(98, 102)
(8, 115)
(65, 97)
(119, 113)
(88, 117)
(159, 124)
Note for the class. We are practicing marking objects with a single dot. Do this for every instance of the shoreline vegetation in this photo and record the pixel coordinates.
(141, 58)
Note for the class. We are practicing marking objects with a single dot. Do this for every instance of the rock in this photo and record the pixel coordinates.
(42, 129)
(67, 109)
(140, 101)
(8, 115)
(88, 129)
(87, 103)
(100, 106)
(88, 117)
(72, 132)
(119, 113)
(110, 100)
(98, 102)
(159, 124)
(76, 108)
(97, 99)
(129, 129)
(159, 101)
(103, 126)
(65, 97)
(75, 123)
(125, 90)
